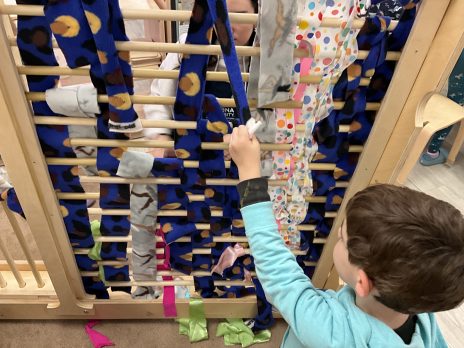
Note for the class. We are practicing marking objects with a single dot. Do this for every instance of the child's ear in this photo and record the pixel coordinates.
(364, 284)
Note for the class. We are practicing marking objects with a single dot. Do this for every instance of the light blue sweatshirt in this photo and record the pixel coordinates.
(316, 318)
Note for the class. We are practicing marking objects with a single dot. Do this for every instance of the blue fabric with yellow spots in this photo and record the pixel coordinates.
(193, 105)
(86, 32)
(34, 43)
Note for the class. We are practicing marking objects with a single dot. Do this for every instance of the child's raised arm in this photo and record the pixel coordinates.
(316, 317)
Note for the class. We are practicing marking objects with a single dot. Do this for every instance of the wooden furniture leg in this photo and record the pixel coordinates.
(456, 145)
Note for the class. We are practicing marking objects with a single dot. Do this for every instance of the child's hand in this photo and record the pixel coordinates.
(245, 153)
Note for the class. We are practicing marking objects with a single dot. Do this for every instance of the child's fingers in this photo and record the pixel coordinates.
(233, 136)
(243, 131)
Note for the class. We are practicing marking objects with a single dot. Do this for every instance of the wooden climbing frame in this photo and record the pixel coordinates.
(51, 288)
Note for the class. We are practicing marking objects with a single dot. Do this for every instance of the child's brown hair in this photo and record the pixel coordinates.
(410, 245)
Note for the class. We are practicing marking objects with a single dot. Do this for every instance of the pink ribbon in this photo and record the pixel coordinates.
(305, 67)
(169, 294)
(98, 339)
(228, 257)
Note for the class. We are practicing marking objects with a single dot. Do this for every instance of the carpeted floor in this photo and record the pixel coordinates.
(125, 334)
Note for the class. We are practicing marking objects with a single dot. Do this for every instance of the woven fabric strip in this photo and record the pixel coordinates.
(35, 46)
(86, 32)
(192, 105)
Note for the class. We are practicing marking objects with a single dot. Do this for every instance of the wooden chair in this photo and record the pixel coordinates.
(435, 112)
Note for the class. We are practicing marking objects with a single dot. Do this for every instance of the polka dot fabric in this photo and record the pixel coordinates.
(333, 145)
(332, 49)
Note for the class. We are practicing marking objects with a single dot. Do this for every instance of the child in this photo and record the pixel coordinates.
(400, 252)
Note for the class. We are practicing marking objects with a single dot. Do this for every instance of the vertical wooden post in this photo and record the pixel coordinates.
(3, 283)
(11, 264)
(26, 166)
(22, 242)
